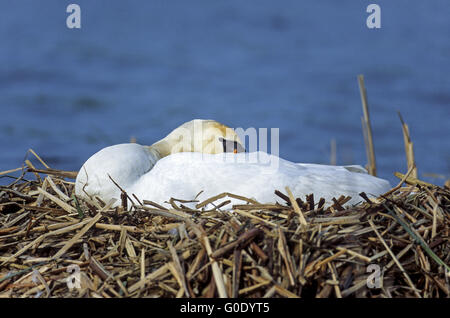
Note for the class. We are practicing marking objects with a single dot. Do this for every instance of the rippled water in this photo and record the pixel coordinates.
(141, 68)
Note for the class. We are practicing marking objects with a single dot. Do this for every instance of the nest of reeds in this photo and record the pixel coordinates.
(55, 245)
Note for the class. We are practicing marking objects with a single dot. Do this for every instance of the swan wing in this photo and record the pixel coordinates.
(124, 163)
(185, 175)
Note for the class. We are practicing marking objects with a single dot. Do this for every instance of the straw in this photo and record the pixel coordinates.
(367, 129)
(296, 247)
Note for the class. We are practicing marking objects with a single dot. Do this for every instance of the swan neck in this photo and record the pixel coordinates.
(160, 149)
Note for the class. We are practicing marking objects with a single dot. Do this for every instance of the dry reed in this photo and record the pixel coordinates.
(51, 241)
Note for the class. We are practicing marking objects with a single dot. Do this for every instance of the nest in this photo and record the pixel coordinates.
(55, 245)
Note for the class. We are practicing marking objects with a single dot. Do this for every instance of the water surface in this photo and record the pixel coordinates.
(141, 68)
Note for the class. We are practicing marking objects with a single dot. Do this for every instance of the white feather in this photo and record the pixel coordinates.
(184, 175)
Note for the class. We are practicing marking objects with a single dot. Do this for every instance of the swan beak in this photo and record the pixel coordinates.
(231, 146)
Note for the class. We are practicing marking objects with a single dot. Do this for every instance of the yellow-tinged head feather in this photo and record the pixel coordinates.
(197, 135)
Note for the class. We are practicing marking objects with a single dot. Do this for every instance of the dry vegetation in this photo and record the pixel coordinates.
(294, 248)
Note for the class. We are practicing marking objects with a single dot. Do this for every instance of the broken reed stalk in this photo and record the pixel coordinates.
(412, 181)
(409, 149)
(408, 279)
(403, 179)
(38, 158)
(333, 152)
(367, 129)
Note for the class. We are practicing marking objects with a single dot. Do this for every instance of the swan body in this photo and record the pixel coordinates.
(124, 164)
(154, 173)
(185, 175)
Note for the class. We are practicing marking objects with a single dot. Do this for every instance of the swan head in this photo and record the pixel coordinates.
(199, 135)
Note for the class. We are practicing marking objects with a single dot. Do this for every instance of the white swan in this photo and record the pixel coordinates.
(204, 155)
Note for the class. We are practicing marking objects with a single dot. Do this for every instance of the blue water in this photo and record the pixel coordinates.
(141, 68)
